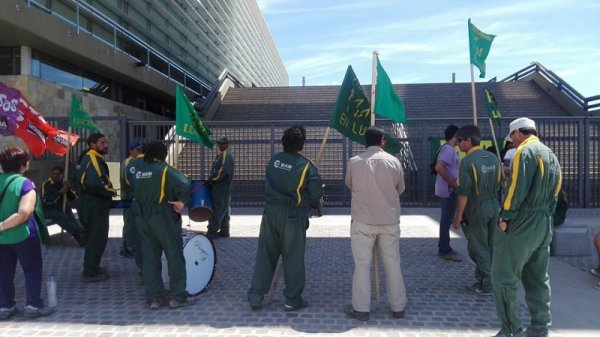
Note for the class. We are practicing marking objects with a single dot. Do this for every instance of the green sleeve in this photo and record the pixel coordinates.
(465, 179)
(314, 184)
(178, 186)
(98, 185)
(222, 167)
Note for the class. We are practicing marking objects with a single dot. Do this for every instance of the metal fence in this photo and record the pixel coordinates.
(575, 140)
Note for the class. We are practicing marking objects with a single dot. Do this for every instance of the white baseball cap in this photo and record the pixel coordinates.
(519, 123)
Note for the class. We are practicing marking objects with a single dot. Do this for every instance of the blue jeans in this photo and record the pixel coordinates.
(448, 212)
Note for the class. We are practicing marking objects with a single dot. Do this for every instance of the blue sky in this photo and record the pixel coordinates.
(426, 41)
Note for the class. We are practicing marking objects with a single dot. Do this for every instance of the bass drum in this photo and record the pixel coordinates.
(200, 261)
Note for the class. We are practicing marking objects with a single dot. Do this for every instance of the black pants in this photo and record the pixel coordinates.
(29, 254)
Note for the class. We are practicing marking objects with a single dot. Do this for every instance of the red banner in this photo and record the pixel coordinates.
(23, 121)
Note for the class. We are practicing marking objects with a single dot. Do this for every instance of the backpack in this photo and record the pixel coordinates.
(432, 170)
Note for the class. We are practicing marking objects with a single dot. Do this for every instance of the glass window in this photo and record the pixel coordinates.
(10, 61)
(54, 74)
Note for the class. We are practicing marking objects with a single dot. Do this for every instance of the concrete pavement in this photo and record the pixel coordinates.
(437, 303)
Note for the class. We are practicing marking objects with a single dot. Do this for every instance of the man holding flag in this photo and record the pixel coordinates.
(94, 205)
(221, 176)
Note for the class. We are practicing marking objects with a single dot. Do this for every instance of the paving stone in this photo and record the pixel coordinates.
(437, 304)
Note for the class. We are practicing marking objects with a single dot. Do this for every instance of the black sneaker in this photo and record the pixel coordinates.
(223, 234)
(174, 303)
(475, 289)
(33, 312)
(288, 307)
(532, 332)
(255, 306)
(81, 240)
(95, 278)
(6, 313)
(359, 315)
(501, 334)
(452, 256)
(398, 314)
(126, 253)
(156, 304)
(212, 235)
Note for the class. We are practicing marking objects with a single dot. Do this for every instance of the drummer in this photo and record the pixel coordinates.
(160, 193)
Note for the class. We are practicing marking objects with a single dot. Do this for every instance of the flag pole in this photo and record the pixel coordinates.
(322, 148)
(497, 149)
(373, 86)
(473, 95)
(375, 257)
(66, 176)
(494, 139)
(176, 156)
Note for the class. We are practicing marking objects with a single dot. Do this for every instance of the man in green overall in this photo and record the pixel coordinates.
(221, 175)
(130, 234)
(160, 193)
(93, 205)
(521, 243)
(292, 184)
(477, 204)
(54, 190)
(127, 176)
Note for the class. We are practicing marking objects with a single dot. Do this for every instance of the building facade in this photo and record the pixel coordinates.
(135, 52)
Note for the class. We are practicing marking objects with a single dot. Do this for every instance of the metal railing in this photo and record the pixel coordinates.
(119, 31)
(575, 140)
(590, 104)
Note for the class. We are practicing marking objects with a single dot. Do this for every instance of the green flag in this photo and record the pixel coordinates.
(479, 47)
(492, 107)
(352, 113)
(387, 101)
(391, 144)
(79, 118)
(188, 124)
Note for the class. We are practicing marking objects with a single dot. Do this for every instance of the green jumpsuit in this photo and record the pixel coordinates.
(292, 183)
(521, 253)
(128, 175)
(155, 183)
(93, 208)
(221, 175)
(130, 235)
(478, 178)
(52, 203)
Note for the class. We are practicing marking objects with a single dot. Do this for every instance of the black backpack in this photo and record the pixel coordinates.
(432, 170)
